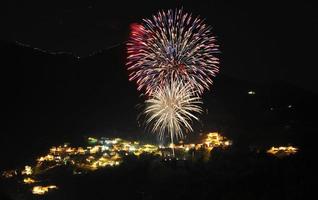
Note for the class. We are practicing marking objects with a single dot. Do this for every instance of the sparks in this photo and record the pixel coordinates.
(171, 108)
(172, 44)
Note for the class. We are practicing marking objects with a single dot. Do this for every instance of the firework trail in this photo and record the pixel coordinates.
(171, 109)
(175, 45)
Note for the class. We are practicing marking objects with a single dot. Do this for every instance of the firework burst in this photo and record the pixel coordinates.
(172, 44)
(171, 109)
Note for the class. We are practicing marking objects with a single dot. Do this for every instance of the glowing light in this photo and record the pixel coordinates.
(28, 180)
(92, 140)
(104, 148)
(82, 162)
(46, 158)
(251, 92)
(132, 148)
(70, 150)
(171, 109)
(27, 170)
(103, 162)
(9, 173)
(40, 190)
(172, 44)
(80, 150)
(214, 139)
(282, 151)
(94, 150)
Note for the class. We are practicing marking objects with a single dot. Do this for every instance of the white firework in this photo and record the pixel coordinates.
(172, 108)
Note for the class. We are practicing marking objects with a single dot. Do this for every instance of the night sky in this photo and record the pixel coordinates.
(263, 42)
(63, 79)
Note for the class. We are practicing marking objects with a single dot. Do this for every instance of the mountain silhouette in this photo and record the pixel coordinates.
(51, 98)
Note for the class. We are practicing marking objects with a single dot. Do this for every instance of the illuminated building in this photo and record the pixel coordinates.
(28, 180)
(216, 140)
(27, 170)
(80, 150)
(282, 151)
(46, 158)
(9, 173)
(92, 140)
(94, 149)
(40, 190)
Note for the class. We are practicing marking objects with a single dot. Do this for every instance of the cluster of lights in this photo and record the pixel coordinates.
(216, 140)
(9, 173)
(98, 154)
(27, 170)
(40, 190)
(282, 151)
(28, 180)
(110, 152)
(251, 92)
(210, 141)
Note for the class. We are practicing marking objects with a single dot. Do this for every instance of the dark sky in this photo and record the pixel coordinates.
(263, 42)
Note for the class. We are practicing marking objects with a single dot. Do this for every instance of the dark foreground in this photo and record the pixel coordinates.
(229, 174)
